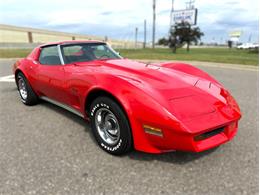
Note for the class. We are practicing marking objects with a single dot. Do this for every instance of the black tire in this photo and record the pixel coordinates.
(31, 97)
(122, 141)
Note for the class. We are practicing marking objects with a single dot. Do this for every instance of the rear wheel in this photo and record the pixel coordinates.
(28, 97)
(110, 126)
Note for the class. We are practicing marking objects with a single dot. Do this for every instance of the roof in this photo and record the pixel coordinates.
(71, 42)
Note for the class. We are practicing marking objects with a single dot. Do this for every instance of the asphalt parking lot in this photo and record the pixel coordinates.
(47, 150)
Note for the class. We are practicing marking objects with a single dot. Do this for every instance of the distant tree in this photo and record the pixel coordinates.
(230, 43)
(183, 33)
(173, 43)
(163, 41)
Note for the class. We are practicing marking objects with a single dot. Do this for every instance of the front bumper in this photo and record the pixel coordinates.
(171, 141)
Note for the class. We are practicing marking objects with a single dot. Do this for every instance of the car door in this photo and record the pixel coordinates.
(77, 77)
(50, 74)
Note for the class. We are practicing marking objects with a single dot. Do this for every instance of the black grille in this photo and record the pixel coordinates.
(209, 134)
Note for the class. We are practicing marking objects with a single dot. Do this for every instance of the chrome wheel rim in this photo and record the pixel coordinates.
(22, 88)
(107, 126)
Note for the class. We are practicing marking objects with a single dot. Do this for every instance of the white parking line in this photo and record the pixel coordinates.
(9, 79)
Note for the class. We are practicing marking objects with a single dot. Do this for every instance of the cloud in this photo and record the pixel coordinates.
(118, 19)
(106, 13)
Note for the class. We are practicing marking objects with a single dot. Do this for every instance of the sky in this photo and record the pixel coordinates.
(118, 19)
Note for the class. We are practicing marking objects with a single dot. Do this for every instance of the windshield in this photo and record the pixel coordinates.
(83, 52)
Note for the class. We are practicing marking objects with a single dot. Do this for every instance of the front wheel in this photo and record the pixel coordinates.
(110, 126)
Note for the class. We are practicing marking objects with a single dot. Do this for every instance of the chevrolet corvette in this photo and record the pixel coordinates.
(150, 107)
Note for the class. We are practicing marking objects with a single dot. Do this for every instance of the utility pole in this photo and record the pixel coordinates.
(144, 46)
(249, 38)
(154, 18)
(190, 4)
(171, 17)
(136, 32)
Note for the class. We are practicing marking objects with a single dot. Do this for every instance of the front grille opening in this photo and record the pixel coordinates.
(208, 134)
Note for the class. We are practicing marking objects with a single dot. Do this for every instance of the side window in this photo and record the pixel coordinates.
(73, 53)
(72, 50)
(49, 56)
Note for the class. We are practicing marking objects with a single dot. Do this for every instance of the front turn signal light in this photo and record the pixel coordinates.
(152, 130)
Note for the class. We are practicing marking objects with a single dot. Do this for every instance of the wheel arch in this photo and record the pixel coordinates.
(17, 71)
(98, 92)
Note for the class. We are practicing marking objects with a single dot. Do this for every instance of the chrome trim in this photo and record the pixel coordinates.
(66, 107)
(113, 51)
(107, 126)
(60, 55)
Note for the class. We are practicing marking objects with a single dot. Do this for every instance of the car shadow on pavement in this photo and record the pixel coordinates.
(84, 123)
(66, 113)
(176, 157)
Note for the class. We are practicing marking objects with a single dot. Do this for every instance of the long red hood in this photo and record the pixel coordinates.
(172, 80)
(160, 76)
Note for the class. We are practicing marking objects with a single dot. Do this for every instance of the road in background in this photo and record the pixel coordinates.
(47, 150)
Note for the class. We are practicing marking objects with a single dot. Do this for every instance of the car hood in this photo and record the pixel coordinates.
(165, 79)
(185, 94)
(158, 77)
(168, 80)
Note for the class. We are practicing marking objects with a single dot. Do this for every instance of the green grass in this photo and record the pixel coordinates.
(14, 53)
(221, 55)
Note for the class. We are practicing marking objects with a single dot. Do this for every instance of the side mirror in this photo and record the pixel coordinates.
(35, 62)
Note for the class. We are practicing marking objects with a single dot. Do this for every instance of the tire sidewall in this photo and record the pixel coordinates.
(32, 98)
(21, 76)
(123, 145)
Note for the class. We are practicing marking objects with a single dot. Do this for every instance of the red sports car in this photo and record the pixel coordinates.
(150, 107)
